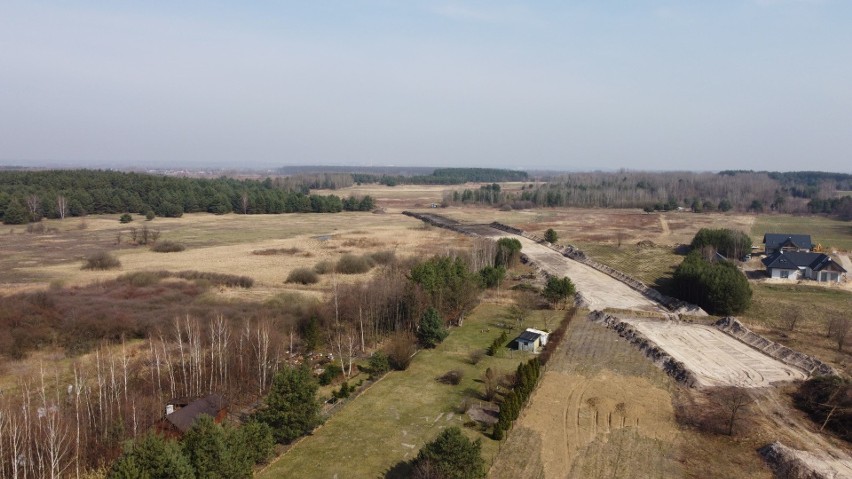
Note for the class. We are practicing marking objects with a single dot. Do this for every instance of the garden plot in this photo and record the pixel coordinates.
(713, 357)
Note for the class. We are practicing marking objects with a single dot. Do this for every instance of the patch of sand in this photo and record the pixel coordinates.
(715, 358)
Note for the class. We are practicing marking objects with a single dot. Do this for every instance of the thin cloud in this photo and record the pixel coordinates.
(501, 15)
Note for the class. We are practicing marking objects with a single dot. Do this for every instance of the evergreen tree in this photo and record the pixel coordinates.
(431, 331)
(550, 236)
(152, 457)
(492, 275)
(718, 286)
(291, 408)
(508, 252)
(253, 440)
(204, 446)
(453, 455)
(311, 334)
(558, 289)
(16, 214)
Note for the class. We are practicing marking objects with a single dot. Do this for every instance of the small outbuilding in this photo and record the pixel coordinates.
(531, 340)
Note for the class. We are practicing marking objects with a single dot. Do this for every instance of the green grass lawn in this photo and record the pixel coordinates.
(653, 266)
(390, 421)
(828, 232)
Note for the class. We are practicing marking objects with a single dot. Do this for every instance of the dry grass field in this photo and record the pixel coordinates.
(230, 244)
(604, 410)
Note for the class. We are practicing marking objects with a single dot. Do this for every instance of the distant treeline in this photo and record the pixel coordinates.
(445, 176)
(31, 195)
(794, 192)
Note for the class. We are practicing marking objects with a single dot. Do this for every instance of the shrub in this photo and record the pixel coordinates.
(149, 215)
(452, 456)
(125, 218)
(102, 261)
(168, 247)
(324, 267)
(475, 356)
(453, 377)
(400, 349)
(379, 365)
(351, 264)
(550, 236)
(276, 251)
(302, 276)
(383, 257)
(497, 344)
(143, 278)
(218, 279)
(331, 371)
(828, 401)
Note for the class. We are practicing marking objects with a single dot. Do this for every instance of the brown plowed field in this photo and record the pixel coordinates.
(601, 408)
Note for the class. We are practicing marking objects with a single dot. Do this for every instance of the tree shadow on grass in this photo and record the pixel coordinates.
(402, 470)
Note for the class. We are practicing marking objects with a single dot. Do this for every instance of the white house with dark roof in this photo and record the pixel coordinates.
(795, 265)
(774, 242)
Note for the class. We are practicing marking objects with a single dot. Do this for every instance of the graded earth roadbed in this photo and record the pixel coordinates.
(713, 357)
(599, 291)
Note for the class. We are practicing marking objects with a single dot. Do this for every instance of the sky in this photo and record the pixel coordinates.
(562, 85)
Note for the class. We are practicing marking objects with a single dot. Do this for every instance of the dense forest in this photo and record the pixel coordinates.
(445, 176)
(793, 192)
(32, 195)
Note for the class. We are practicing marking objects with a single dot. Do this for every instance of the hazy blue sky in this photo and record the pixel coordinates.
(699, 85)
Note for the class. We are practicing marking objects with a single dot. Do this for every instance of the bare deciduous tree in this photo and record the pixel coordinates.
(732, 402)
(838, 330)
(33, 206)
(790, 318)
(62, 206)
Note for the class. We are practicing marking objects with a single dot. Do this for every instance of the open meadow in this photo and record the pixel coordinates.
(263, 247)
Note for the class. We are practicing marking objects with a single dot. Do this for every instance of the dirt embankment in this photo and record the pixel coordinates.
(657, 355)
(789, 463)
(812, 365)
(569, 251)
(701, 355)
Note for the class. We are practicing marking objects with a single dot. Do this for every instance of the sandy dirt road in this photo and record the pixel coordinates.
(599, 290)
(715, 358)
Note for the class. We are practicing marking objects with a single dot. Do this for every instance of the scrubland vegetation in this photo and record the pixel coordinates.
(394, 351)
